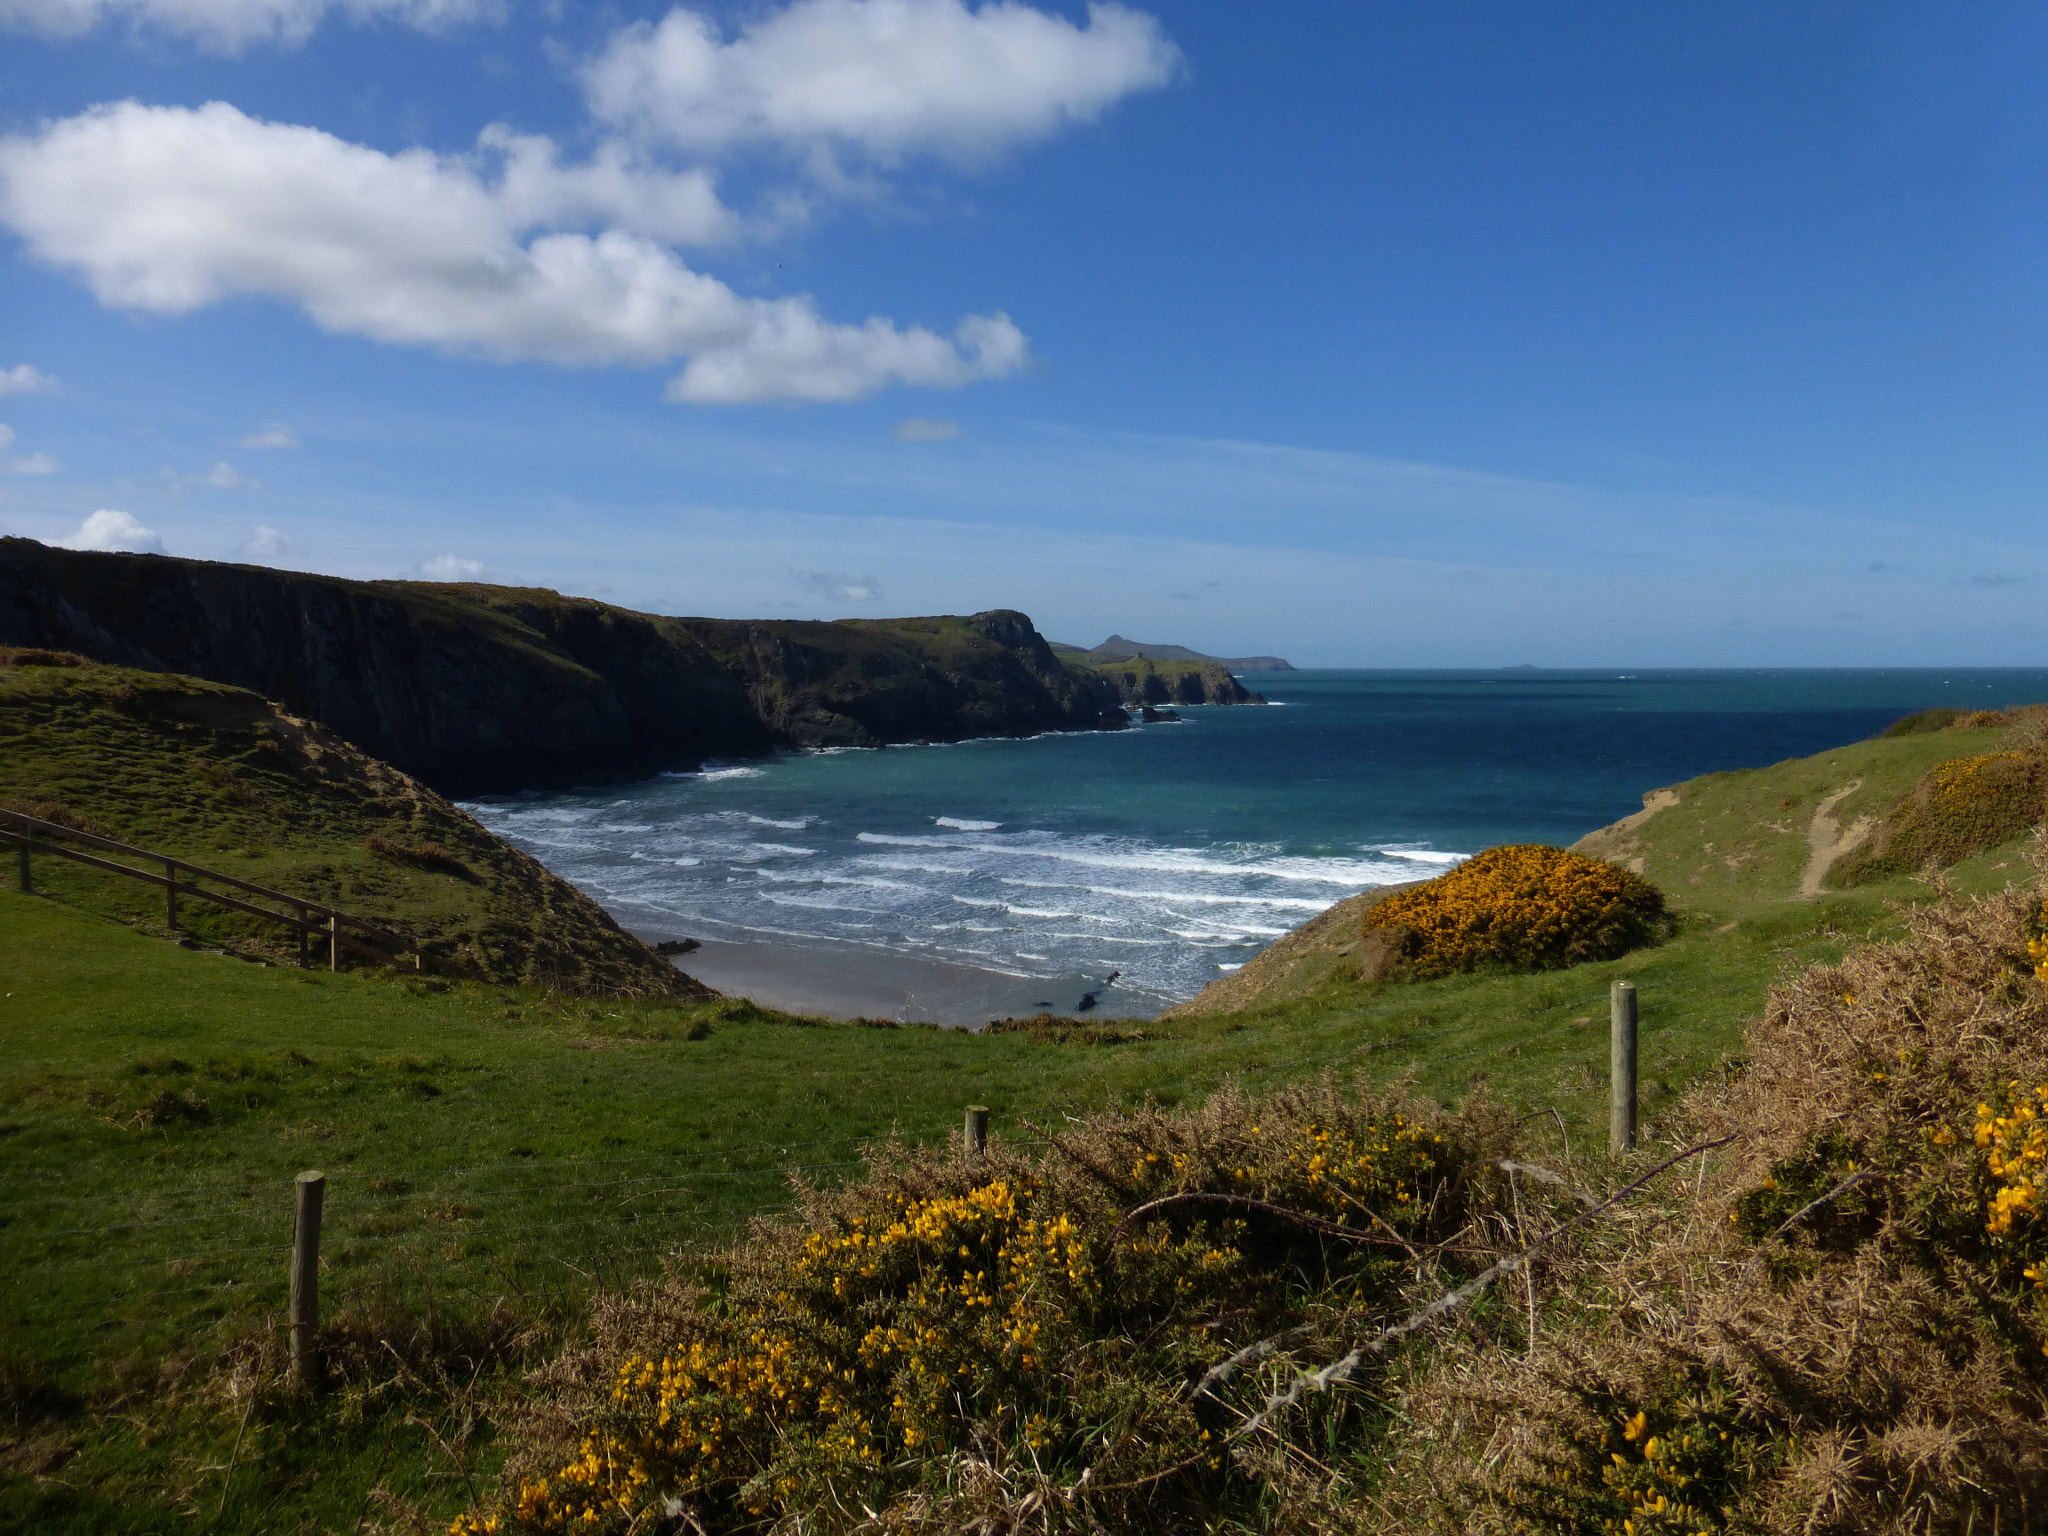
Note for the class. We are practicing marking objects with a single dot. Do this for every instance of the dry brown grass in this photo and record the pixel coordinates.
(1824, 1310)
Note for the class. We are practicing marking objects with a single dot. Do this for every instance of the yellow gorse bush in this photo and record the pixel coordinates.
(2015, 1147)
(1523, 906)
(1666, 1480)
(1957, 809)
(1964, 778)
(1667, 1470)
(903, 1331)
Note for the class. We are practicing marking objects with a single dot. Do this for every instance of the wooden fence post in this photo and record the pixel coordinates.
(975, 1141)
(171, 894)
(333, 942)
(1621, 1068)
(312, 1190)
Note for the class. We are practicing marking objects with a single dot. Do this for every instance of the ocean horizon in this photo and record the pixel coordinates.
(1027, 871)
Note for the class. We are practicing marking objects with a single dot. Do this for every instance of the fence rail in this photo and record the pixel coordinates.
(309, 919)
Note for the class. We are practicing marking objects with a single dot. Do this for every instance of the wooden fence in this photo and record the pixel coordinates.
(314, 923)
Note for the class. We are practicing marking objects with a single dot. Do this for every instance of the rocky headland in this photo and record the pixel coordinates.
(1117, 648)
(478, 689)
(1141, 681)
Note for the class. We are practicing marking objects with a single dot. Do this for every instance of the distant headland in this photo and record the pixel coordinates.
(1117, 648)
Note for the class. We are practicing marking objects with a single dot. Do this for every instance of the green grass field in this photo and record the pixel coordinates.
(496, 1155)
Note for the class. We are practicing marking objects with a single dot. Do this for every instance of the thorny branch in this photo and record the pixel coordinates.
(1342, 1369)
(1194, 1196)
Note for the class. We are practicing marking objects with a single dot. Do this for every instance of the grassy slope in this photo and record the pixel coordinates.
(1727, 849)
(1737, 843)
(217, 776)
(496, 1143)
(486, 1144)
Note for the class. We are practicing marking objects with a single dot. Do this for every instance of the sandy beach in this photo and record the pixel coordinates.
(849, 981)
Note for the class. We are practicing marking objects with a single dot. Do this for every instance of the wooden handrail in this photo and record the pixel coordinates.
(330, 920)
(56, 828)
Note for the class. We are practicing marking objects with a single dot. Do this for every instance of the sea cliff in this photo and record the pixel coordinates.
(1144, 680)
(477, 689)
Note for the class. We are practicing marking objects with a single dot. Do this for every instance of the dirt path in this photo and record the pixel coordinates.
(1829, 840)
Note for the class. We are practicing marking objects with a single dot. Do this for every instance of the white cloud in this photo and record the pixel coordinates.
(228, 26)
(225, 477)
(27, 464)
(617, 185)
(168, 209)
(885, 77)
(266, 543)
(276, 435)
(451, 568)
(222, 477)
(922, 429)
(114, 531)
(21, 379)
(839, 587)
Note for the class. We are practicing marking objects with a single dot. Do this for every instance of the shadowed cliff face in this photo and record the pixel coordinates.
(1143, 680)
(862, 682)
(478, 689)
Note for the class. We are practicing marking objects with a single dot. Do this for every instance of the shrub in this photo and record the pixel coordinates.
(430, 856)
(1525, 906)
(37, 658)
(1840, 1325)
(1958, 808)
(1041, 1318)
(1925, 723)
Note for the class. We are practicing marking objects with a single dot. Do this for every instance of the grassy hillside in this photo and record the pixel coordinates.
(1738, 853)
(1816, 1309)
(1733, 844)
(494, 1153)
(222, 778)
(502, 1158)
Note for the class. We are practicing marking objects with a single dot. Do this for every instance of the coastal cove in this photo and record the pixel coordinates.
(987, 878)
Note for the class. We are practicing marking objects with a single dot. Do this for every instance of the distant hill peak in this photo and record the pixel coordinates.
(1117, 648)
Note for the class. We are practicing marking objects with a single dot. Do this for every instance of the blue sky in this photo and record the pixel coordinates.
(1369, 334)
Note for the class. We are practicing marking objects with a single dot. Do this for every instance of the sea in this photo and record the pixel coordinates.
(1167, 855)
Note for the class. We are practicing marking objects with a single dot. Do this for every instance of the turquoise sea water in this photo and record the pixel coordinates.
(1170, 853)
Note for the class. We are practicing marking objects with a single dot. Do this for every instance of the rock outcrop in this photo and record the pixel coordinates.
(1141, 681)
(478, 689)
(863, 682)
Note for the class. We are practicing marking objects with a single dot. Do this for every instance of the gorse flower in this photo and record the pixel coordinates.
(911, 1324)
(1525, 906)
(2015, 1146)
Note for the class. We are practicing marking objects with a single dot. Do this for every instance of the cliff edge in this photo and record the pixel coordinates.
(479, 689)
